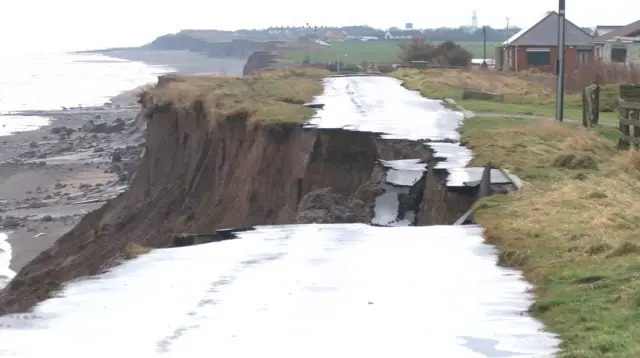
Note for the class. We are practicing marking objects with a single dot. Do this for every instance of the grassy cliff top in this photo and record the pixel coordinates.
(529, 93)
(268, 96)
(573, 228)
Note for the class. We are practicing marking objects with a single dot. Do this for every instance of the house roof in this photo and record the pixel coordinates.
(603, 29)
(335, 32)
(544, 32)
(608, 27)
(633, 29)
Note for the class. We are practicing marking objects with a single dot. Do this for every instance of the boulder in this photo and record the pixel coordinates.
(10, 223)
(118, 126)
(63, 130)
(324, 206)
(100, 127)
(88, 126)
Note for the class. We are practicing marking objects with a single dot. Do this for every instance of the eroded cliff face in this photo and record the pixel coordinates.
(259, 60)
(189, 42)
(197, 177)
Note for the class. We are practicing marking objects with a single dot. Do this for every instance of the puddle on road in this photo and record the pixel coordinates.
(325, 290)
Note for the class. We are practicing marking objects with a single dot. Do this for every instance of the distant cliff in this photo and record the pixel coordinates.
(215, 48)
(264, 59)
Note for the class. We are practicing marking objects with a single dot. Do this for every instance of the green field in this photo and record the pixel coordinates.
(355, 52)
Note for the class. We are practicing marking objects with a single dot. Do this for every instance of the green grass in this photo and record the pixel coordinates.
(572, 110)
(525, 93)
(573, 229)
(355, 52)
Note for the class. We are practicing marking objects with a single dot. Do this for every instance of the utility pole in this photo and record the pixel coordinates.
(506, 31)
(307, 60)
(505, 49)
(484, 41)
(560, 63)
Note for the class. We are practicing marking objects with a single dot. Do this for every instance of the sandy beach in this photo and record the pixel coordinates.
(51, 177)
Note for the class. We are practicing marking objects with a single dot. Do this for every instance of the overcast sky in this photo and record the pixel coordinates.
(81, 24)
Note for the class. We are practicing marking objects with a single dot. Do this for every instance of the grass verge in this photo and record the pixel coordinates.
(524, 93)
(573, 229)
(268, 96)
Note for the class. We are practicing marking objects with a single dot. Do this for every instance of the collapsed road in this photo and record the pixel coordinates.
(390, 288)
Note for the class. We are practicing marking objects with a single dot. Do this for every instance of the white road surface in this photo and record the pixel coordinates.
(332, 290)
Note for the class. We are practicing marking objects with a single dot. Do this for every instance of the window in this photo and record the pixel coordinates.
(539, 57)
(618, 55)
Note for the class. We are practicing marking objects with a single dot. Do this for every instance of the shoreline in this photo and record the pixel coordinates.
(51, 177)
(183, 62)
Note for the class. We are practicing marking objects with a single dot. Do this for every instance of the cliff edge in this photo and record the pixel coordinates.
(230, 152)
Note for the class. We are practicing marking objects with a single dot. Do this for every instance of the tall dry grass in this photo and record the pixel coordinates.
(605, 73)
(275, 95)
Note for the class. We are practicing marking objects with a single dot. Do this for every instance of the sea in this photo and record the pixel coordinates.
(52, 80)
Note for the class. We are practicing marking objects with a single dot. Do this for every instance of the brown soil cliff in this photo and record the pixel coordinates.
(207, 169)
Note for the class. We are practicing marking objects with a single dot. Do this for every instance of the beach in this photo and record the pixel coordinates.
(83, 156)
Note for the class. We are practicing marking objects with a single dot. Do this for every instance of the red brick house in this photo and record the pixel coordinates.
(537, 47)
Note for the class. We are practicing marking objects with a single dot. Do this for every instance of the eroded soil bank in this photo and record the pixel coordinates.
(198, 175)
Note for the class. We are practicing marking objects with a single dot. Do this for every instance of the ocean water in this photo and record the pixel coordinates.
(5, 259)
(52, 80)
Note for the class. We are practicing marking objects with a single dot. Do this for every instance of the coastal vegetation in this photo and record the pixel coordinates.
(572, 228)
(525, 93)
(266, 96)
(447, 53)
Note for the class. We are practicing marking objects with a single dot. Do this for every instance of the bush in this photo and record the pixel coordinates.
(444, 54)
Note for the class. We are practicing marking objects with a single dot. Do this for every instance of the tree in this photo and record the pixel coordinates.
(447, 53)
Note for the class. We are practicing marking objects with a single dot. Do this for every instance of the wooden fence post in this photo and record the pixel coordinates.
(623, 115)
(629, 116)
(585, 113)
(634, 115)
(596, 105)
(485, 182)
(590, 105)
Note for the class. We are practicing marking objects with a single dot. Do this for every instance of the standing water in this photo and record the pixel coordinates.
(46, 81)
